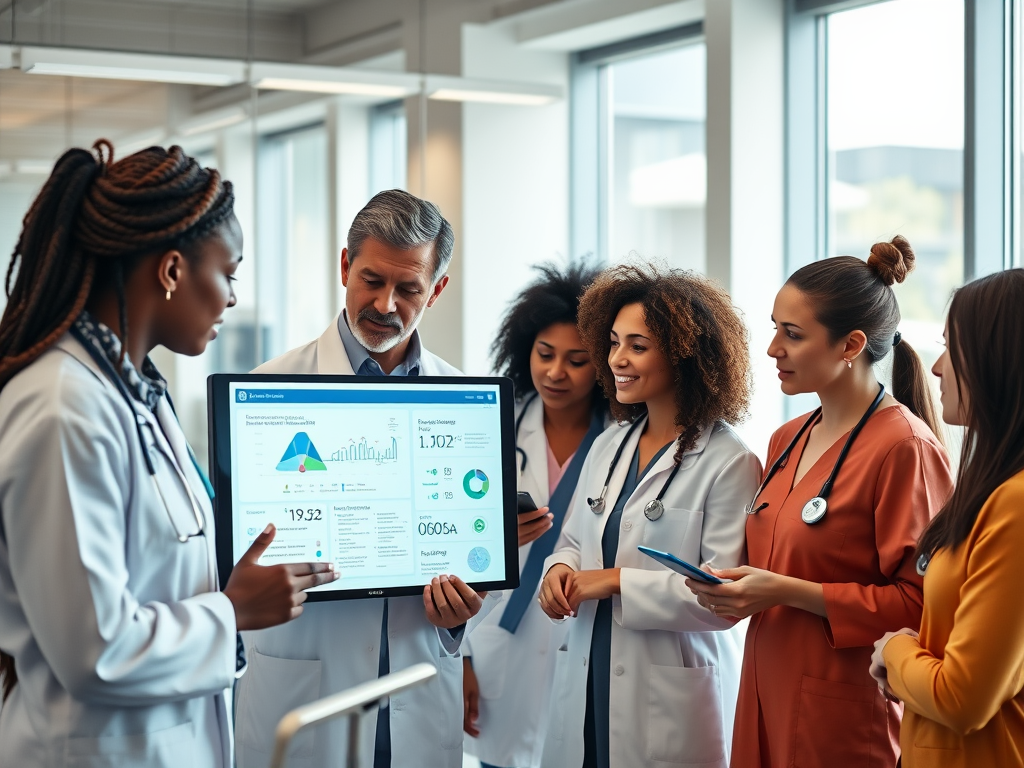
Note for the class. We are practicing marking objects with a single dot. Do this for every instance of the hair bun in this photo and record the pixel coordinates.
(892, 261)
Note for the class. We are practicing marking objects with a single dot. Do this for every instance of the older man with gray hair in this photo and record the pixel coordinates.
(393, 270)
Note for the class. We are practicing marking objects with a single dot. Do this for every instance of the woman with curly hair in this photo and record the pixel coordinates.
(119, 649)
(560, 413)
(647, 677)
(832, 532)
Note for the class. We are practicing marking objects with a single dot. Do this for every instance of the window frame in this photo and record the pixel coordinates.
(590, 131)
(992, 133)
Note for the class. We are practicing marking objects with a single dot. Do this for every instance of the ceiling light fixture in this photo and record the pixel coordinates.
(334, 80)
(188, 70)
(212, 122)
(463, 89)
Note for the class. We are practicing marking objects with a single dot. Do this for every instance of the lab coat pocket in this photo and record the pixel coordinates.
(168, 746)
(273, 688)
(449, 682)
(828, 707)
(562, 701)
(490, 660)
(684, 716)
(676, 532)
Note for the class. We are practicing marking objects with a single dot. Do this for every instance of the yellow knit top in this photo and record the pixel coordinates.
(961, 682)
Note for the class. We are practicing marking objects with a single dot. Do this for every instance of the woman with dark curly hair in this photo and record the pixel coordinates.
(647, 677)
(560, 413)
(832, 531)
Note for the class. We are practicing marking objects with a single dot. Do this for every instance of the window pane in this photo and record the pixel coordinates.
(294, 263)
(388, 147)
(895, 141)
(657, 171)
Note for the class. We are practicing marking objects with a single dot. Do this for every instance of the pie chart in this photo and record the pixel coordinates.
(476, 484)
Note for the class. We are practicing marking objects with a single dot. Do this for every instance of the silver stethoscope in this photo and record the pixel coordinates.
(140, 421)
(655, 508)
(814, 510)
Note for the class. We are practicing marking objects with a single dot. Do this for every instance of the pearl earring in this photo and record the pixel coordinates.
(849, 362)
(168, 297)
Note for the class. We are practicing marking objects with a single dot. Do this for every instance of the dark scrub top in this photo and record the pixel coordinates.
(595, 724)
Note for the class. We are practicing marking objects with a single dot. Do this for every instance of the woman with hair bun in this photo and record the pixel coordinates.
(118, 647)
(646, 677)
(831, 532)
(509, 656)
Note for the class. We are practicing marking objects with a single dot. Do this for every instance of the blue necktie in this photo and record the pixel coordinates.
(545, 545)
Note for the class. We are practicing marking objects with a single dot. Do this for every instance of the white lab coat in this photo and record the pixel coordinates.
(336, 645)
(674, 678)
(124, 647)
(515, 671)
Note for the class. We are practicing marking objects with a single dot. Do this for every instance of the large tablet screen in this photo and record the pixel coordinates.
(393, 480)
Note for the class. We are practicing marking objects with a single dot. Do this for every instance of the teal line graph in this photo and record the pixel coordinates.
(363, 451)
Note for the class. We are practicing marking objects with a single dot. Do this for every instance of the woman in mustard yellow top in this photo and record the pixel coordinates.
(961, 680)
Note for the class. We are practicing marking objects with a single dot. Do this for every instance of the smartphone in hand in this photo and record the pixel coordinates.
(525, 503)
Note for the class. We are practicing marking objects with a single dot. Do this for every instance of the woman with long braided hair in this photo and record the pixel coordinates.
(117, 647)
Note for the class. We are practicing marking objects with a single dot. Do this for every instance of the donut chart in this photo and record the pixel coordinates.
(469, 481)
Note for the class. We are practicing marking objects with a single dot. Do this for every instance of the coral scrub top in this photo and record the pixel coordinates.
(806, 698)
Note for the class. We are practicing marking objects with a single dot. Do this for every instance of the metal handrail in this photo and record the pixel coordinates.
(354, 702)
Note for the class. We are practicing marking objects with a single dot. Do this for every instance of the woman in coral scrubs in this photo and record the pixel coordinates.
(832, 564)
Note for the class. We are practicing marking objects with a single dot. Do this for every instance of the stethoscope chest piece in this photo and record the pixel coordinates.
(814, 510)
(653, 510)
(922, 564)
(597, 505)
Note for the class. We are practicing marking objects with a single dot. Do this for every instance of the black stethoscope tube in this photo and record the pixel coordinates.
(815, 509)
(653, 509)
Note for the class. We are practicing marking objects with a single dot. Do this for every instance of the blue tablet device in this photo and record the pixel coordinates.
(680, 566)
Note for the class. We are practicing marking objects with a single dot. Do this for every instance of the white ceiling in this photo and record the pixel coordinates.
(36, 8)
(40, 116)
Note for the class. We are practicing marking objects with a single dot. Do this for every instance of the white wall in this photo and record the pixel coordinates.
(16, 195)
(515, 185)
(745, 243)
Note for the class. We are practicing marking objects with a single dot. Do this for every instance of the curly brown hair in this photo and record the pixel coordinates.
(696, 327)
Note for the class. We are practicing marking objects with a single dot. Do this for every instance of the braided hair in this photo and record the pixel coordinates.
(89, 224)
(94, 216)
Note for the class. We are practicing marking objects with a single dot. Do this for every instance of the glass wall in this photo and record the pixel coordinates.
(294, 265)
(388, 147)
(656, 164)
(895, 127)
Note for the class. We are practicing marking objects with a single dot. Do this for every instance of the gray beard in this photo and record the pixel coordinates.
(382, 342)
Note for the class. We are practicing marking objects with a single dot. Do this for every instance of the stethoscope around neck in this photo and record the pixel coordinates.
(655, 508)
(140, 420)
(814, 510)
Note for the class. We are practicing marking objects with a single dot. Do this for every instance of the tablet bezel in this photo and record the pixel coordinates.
(219, 407)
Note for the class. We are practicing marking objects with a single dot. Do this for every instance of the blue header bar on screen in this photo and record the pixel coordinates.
(383, 395)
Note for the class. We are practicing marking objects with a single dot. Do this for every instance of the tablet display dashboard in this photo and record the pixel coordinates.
(395, 481)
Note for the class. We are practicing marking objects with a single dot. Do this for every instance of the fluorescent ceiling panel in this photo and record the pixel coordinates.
(491, 91)
(212, 122)
(491, 97)
(335, 80)
(131, 66)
